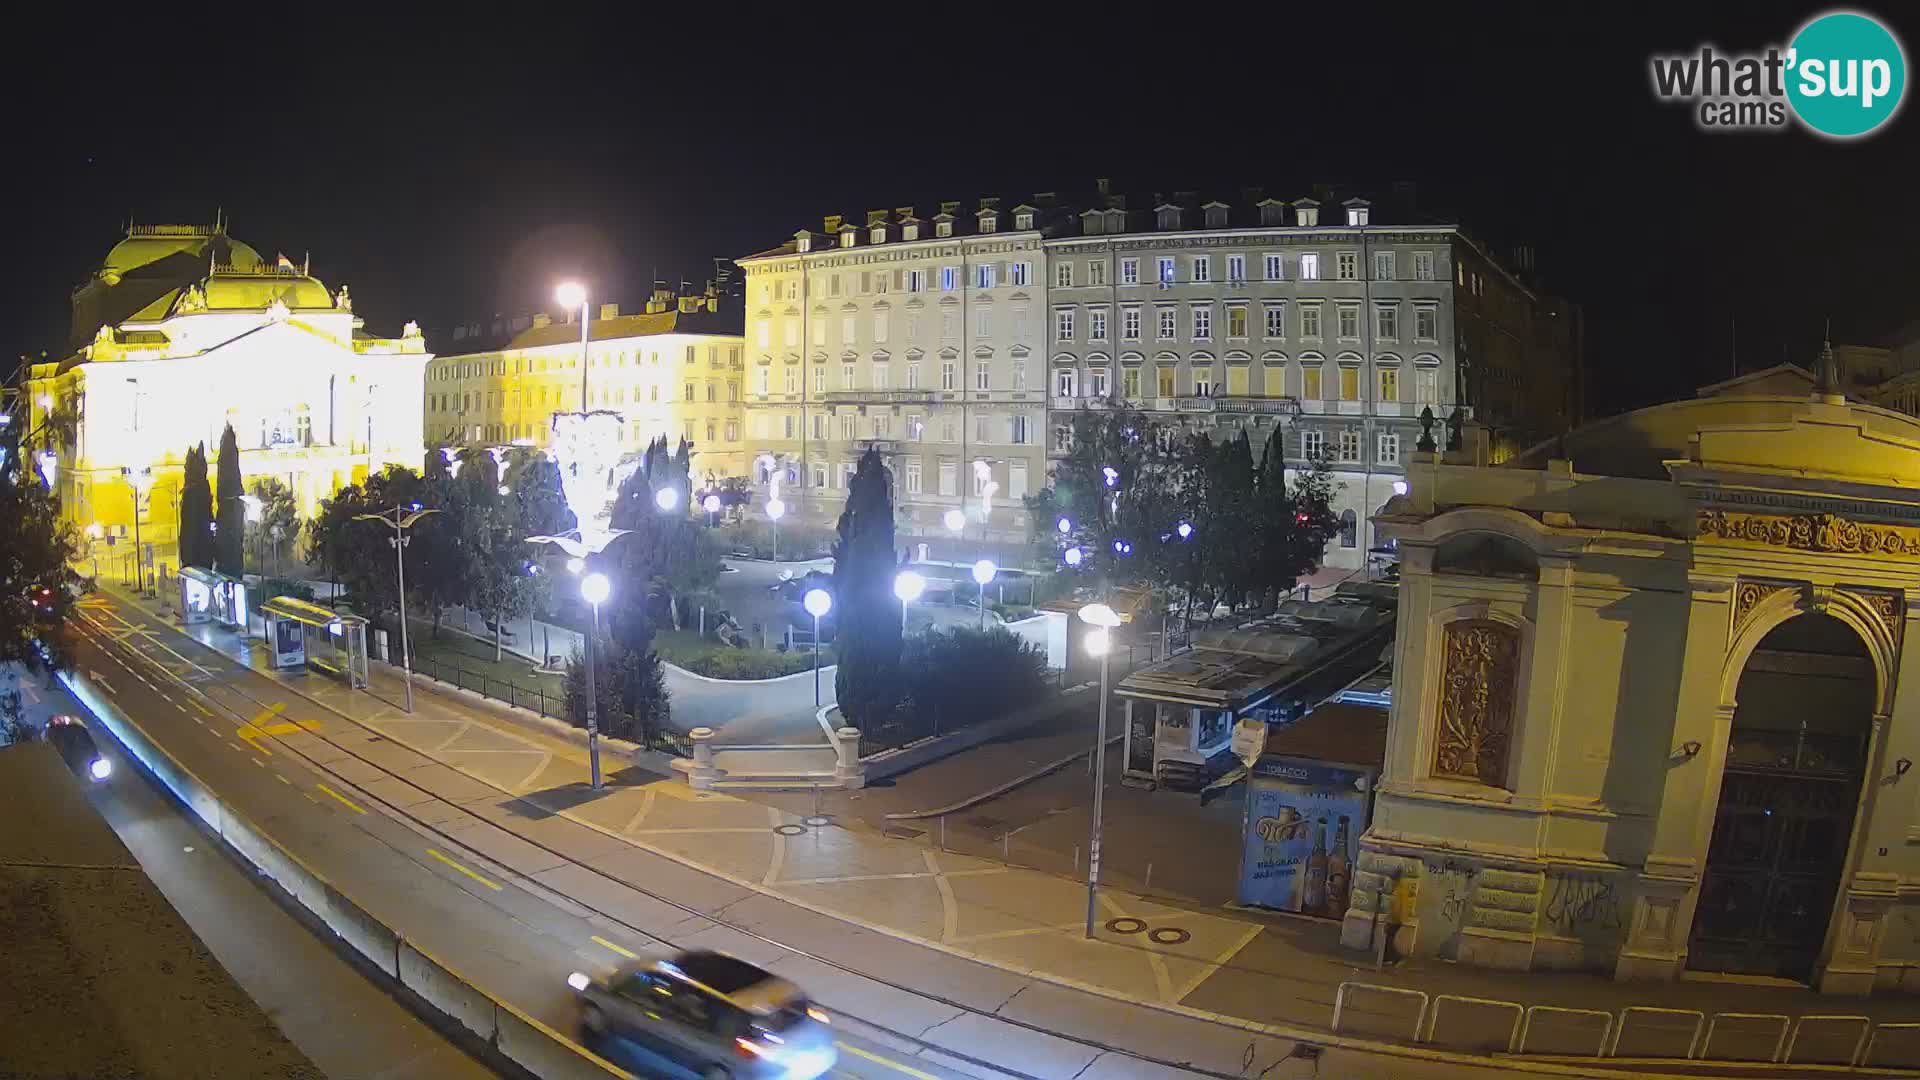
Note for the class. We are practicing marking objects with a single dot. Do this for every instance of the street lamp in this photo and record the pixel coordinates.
(141, 480)
(955, 520)
(572, 294)
(908, 586)
(983, 572)
(666, 499)
(1065, 526)
(1099, 643)
(594, 589)
(402, 521)
(1185, 529)
(817, 602)
(711, 504)
(775, 511)
(1073, 556)
(575, 565)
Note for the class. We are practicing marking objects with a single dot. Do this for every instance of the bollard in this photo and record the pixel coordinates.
(703, 774)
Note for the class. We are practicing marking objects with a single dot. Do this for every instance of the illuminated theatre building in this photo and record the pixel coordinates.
(184, 330)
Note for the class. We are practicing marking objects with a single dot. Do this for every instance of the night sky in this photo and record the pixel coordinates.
(449, 171)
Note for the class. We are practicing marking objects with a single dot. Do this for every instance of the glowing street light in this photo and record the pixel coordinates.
(1065, 526)
(983, 572)
(1112, 475)
(908, 586)
(575, 565)
(775, 511)
(1073, 555)
(1185, 529)
(666, 498)
(955, 520)
(141, 480)
(572, 294)
(594, 589)
(1100, 643)
(1399, 487)
(711, 504)
(817, 602)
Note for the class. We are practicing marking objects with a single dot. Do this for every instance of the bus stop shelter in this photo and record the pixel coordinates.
(304, 634)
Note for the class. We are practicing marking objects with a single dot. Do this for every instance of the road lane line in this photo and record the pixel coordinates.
(283, 780)
(204, 711)
(344, 801)
(260, 763)
(605, 944)
(494, 885)
(887, 1061)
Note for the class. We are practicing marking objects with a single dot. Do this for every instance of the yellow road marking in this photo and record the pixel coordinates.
(344, 801)
(887, 1061)
(605, 944)
(494, 885)
(204, 711)
(283, 780)
(253, 729)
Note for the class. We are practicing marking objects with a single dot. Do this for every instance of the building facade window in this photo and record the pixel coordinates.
(1349, 529)
(1275, 316)
(1130, 383)
(1349, 445)
(1169, 326)
(1129, 271)
(1347, 266)
(1097, 382)
(947, 380)
(1426, 387)
(1237, 322)
(1203, 385)
(1236, 269)
(1310, 379)
(983, 276)
(1272, 266)
(1163, 378)
(1349, 315)
(1389, 384)
(1309, 266)
(1063, 324)
(1130, 324)
(1017, 430)
(1310, 321)
(1426, 323)
(1313, 445)
(1202, 323)
(913, 476)
(1063, 274)
(1386, 322)
(1350, 390)
(1096, 272)
(1019, 273)
(1383, 266)
(1202, 266)
(982, 375)
(1423, 266)
(949, 278)
(1165, 274)
(1389, 448)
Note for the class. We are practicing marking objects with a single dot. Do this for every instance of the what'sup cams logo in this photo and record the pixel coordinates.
(1843, 76)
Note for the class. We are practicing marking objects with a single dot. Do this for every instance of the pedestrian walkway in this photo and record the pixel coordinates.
(1229, 965)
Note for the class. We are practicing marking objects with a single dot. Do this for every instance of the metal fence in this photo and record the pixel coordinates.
(1484, 1025)
(537, 699)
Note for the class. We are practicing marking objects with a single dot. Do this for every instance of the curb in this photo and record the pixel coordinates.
(994, 793)
(519, 1038)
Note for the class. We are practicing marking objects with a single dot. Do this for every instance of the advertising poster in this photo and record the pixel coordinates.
(1304, 820)
(289, 643)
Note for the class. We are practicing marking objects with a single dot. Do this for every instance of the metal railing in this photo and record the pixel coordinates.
(551, 705)
(1640, 1032)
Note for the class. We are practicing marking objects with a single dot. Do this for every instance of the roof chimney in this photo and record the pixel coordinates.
(609, 311)
(831, 223)
(1103, 185)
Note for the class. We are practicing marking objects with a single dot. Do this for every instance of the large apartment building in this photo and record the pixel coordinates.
(949, 342)
(674, 368)
(921, 337)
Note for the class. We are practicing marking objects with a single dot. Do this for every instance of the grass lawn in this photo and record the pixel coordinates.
(440, 657)
(716, 661)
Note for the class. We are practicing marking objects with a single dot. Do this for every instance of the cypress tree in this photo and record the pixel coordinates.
(230, 518)
(865, 610)
(196, 511)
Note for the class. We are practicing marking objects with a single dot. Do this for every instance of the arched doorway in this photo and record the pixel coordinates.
(1795, 757)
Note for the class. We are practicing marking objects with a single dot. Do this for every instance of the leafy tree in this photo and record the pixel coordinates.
(629, 690)
(1294, 521)
(196, 511)
(667, 554)
(540, 506)
(356, 553)
(867, 682)
(1117, 522)
(439, 544)
(35, 547)
(230, 516)
(955, 676)
(279, 517)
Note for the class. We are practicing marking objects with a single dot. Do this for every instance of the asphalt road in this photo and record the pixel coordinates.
(347, 1024)
(515, 939)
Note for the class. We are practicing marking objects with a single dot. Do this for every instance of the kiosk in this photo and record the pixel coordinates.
(198, 592)
(303, 634)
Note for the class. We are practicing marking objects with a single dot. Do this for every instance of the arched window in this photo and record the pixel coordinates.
(1349, 529)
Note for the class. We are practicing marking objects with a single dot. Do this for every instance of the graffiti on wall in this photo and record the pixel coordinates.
(1583, 906)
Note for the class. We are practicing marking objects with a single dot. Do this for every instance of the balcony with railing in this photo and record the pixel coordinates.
(879, 397)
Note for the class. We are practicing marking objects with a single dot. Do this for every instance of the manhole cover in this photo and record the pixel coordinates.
(1126, 924)
(901, 832)
(817, 821)
(790, 830)
(985, 824)
(1168, 935)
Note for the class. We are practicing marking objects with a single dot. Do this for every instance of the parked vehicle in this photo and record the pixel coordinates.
(75, 743)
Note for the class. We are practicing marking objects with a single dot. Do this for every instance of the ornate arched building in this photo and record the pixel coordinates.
(183, 330)
(1652, 708)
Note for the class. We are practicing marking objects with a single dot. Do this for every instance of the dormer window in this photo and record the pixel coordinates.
(1093, 223)
(1168, 217)
(943, 229)
(1306, 213)
(847, 237)
(878, 235)
(910, 231)
(1359, 211)
(989, 223)
(1216, 215)
(803, 243)
(1023, 221)
(1273, 212)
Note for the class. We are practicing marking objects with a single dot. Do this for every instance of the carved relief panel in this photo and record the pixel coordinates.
(1478, 678)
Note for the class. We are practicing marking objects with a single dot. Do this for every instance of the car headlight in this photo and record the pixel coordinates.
(579, 981)
(100, 768)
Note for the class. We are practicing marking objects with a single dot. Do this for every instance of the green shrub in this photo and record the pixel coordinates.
(963, 675)
(716, 661)
(755, 536)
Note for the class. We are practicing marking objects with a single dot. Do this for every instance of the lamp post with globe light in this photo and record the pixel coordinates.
(594, 589)
(908, 586)
(401, 520)
(666, 499)
(711, 504)
(1099, 643)
(775, 511)
(141, 480)
(817, 602)
(983, 572)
